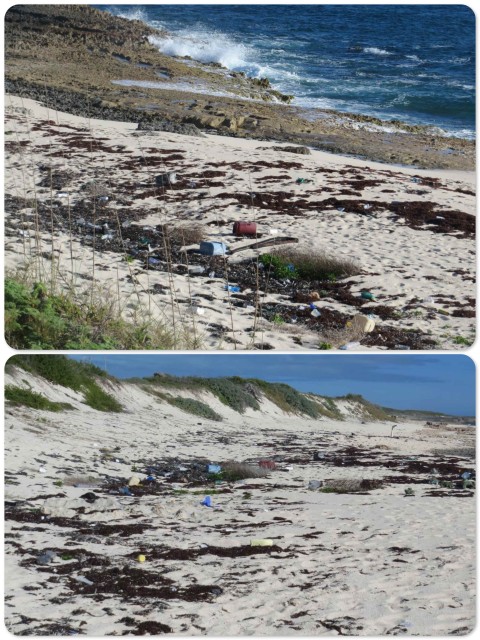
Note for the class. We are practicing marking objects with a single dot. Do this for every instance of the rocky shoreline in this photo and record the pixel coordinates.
(83, 61)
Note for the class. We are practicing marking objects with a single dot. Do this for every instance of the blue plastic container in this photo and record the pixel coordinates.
(214, 468)
(213, 248)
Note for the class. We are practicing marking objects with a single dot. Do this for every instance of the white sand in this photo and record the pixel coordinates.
(366, 564)
(420, 275)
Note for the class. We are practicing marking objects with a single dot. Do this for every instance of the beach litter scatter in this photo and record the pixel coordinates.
(148, 526)
(135, 178)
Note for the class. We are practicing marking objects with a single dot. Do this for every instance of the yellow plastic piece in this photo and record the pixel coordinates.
(262, 542)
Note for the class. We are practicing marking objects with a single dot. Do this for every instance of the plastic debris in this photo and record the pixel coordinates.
(141, 558)
(42, 470)
(47, 557)
(83, 580)
(125, 491)
(196, 310)
(103, 199)
(232, 288)
(267, 464)
(316, 313)
(303, 180)
(362, 323)
(211, 274)
(313, 485)
(97, 227)
(466, 475)
(62, 194)
(349, 345)
(340, 209)
(366, 295)
(273, 232)
(166, 179)
(134, 481)
(196, 270)
(402, 347)
(244, 228)
(152, 262)
(214, 468)
(261, 542)
(213, 248)
(207, 501)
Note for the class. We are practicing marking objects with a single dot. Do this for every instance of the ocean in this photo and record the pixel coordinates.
(414, 63)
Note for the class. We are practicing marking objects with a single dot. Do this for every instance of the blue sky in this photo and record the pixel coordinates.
(443, 383)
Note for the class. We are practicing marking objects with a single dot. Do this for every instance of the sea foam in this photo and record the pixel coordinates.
(376, 51)
(204, 47)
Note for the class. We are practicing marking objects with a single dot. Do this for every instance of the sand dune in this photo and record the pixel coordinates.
(371, 562)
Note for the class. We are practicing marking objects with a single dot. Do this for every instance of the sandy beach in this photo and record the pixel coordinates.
(370, 562)
(84, 211)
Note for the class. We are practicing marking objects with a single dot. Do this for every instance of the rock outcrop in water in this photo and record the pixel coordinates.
(70, 56)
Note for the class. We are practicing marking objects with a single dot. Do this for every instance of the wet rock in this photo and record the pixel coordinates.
(302, 150)
(161, 124)
(89, 497)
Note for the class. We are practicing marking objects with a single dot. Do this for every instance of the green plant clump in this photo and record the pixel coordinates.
(195, 407)
(325, 346)
(38, 319)
(461, 340)
(79, 376)
(230, 391)
(281, 269)
(27, 398)
(298, 264)
(287, 398)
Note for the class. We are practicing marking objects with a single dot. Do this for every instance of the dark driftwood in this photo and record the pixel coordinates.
(270, 242)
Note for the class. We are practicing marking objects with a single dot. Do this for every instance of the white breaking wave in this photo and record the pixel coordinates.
(132, 14)
(207, 46)
(376, 51)
(204, 47)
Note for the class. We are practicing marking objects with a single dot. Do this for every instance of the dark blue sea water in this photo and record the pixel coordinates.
(415, 63)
